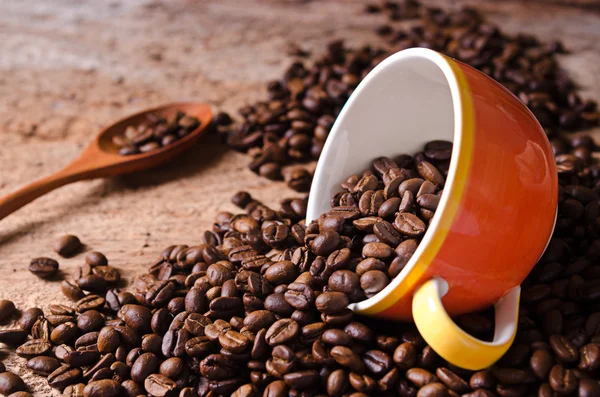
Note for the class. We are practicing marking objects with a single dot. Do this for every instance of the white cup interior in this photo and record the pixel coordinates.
(407, 100)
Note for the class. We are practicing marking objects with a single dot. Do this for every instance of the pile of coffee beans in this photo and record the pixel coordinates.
(155, 133)
(293, 124)
(259, 306)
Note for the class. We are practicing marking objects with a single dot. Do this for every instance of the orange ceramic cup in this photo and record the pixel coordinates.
(498, 207)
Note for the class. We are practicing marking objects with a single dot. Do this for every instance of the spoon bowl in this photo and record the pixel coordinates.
(101, 158)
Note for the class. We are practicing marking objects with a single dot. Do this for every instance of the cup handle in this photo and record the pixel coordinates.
(450, 341)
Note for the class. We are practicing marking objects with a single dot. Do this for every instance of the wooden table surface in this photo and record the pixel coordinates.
(68, 68)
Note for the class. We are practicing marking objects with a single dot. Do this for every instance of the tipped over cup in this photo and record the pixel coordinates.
(498, 208)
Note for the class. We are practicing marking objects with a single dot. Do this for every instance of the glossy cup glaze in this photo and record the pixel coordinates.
(498, 208)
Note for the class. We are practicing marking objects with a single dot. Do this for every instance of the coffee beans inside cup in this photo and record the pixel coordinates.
(155, 133)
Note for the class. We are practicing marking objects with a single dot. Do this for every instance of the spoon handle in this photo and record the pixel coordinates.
(17, 199)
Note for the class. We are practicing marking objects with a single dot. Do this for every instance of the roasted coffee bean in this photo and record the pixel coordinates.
(10, 383)
(373, 281)
(108, 273)
(89, 302)
(564, 349)
(217, 367)
(43, 267)
(301, 379)
(331, 302)
(386, 233)
(298, 295)
(325, 243)
(362, 383)
(29, 317)
(67, 245)
(347, 358)
(409, 224)
(540, 363)
(64, 376)
(282, 331)
(95, 258)
(377, 250)
(43, 365)
(82, 358)
(64, 333)
(433, 390)
(145, 365)
(259, 319)
(90, 321)
(159, 385)
(420, 377)
(12, 337)
(75, 390)
(7, 309)
(34, 347)
(71, 290)
(562, 380)
(283, 272)
(102, 388)
(172, 367)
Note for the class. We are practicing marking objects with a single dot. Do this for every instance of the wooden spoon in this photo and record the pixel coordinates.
(101, 158)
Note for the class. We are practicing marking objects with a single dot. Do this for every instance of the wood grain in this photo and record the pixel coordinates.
(69, 68)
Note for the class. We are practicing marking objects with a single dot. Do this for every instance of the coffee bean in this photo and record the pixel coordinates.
(259, 319)
(331, 302)
(159, 385)
(590, 357)
(75, 390)
(172, 367)
(7, 309)
(377, 250)
(301, 379)
(420, 377)
(20, 394)
(541, 363)
(362, 383)
(325, 243)
(283, 272)
(34, 347)
(12, 336)
(67, 245)
(108, 273)
(64, 333)
(433, 390)
(451, 380)
(234, 341)
(409, 224)
(94, 258)
(102, 388)
(428, 172)
(217, 367)
(43, 365)
(373, 281)
(89, 302)
(10, 383)
(64, 376)
(387, 234)
(588, 387)
(562, 380)
(145, 365)
(282, 331)
(43, 267)
(564, 349)
(347, 358)
(298, 295)
(82, 358)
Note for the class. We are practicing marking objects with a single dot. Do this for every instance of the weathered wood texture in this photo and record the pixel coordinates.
(67, 68)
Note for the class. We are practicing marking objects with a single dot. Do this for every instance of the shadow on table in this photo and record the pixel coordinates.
(197, 159)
